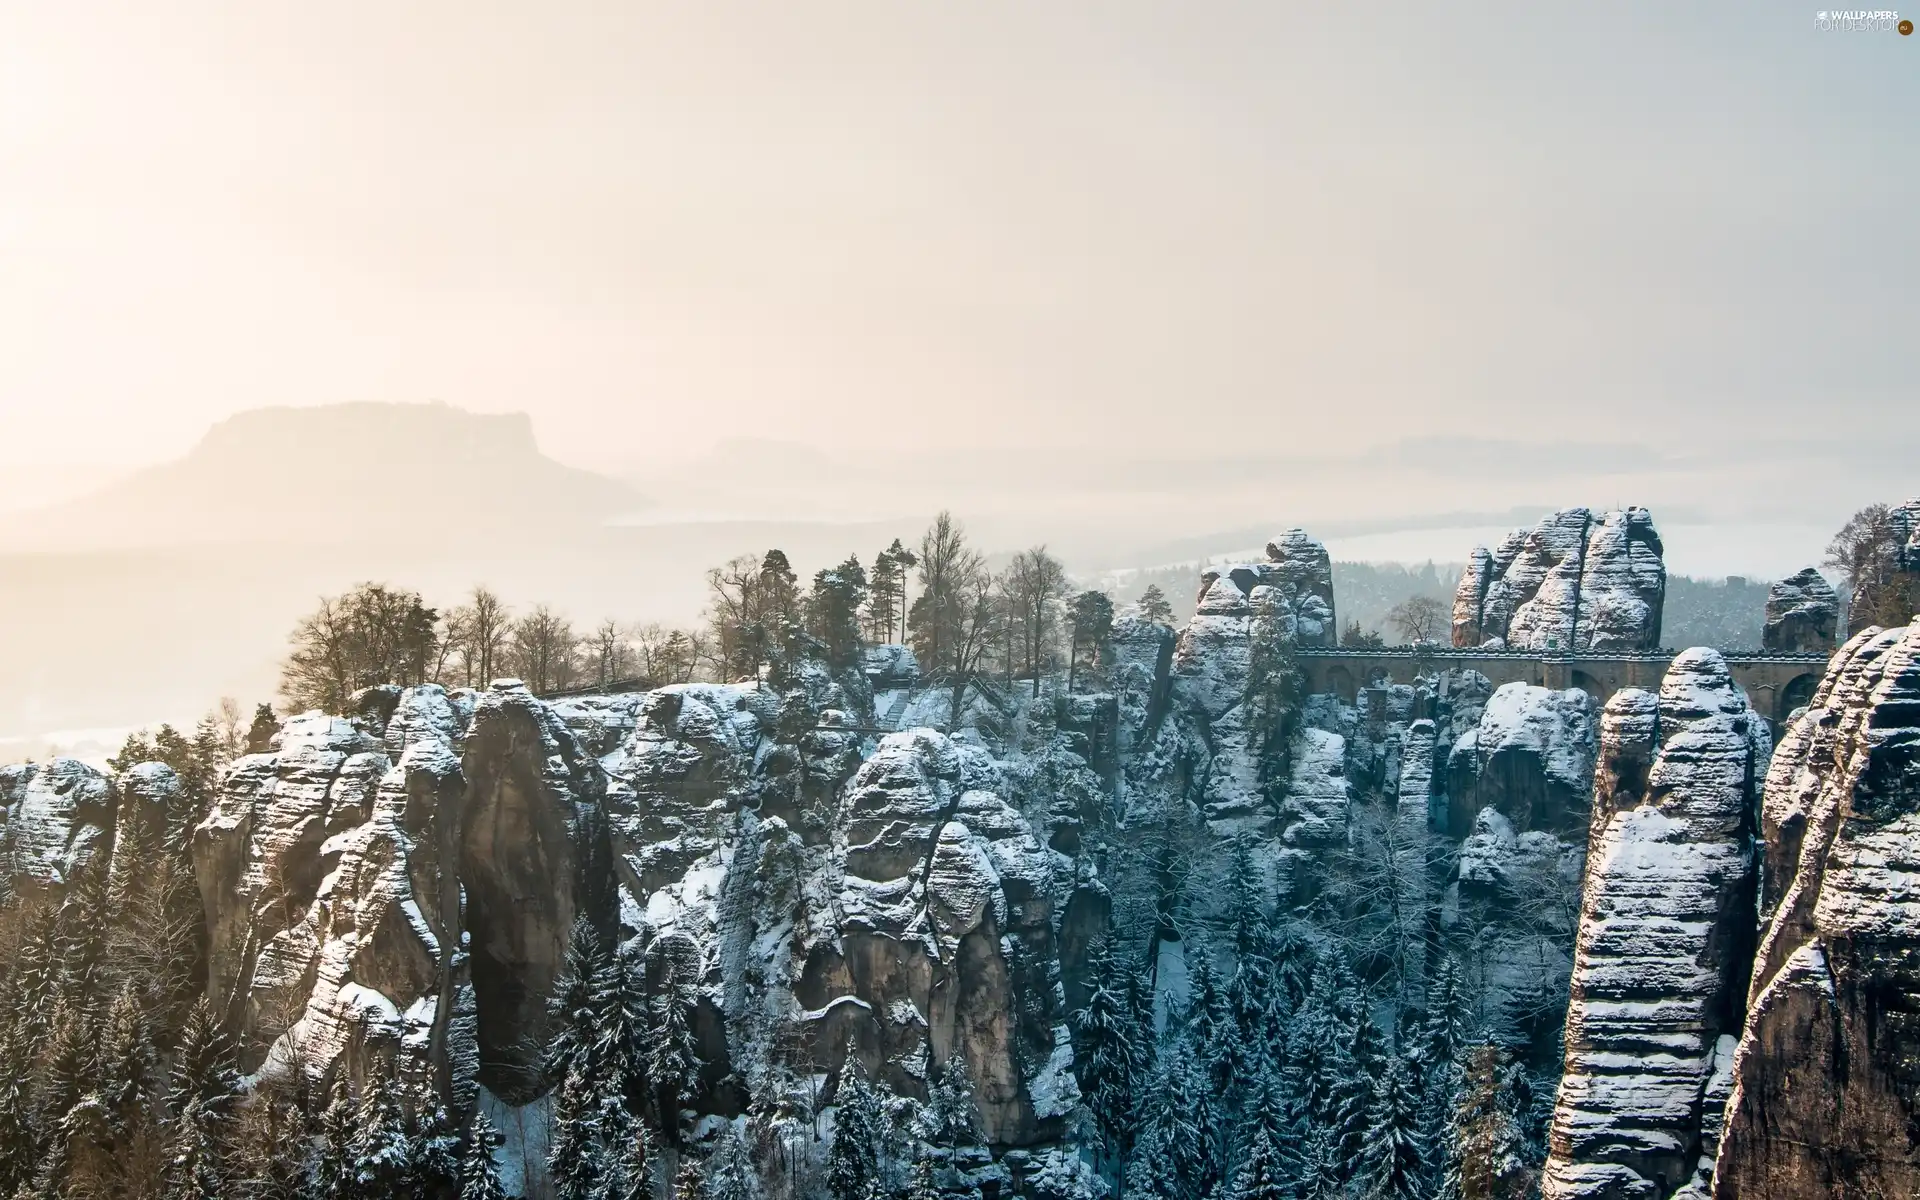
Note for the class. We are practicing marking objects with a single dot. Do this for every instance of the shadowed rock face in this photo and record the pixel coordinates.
(1569, 583)
(1665, 937)
(530, 866)
(1529, 758)
(1826, 1089)
(1803, 612)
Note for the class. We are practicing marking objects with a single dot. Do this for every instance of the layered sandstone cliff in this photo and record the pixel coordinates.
(1665, 937)
(1826, 1086)
(1570, 583)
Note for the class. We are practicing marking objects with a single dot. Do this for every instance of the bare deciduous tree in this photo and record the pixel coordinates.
(543, 650)
(1867, 555)
(611, 652)
(1418, 618)
(1034, 584)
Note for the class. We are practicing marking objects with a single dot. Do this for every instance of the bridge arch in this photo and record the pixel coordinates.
(1340, 683)
(1797, 694)
(1590, 686)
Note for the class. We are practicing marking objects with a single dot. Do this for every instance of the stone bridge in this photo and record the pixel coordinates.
(1775, 683)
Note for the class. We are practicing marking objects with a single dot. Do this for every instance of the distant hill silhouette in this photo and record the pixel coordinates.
(341, 473)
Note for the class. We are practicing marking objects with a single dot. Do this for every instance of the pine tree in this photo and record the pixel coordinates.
(1393, 1164)
(1154, 606)
(853, 1161)
(479, 1170)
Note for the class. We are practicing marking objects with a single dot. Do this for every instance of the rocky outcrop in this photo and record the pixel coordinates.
(1906, 524)
(1298, 568)
(1803, 614)
(1569, 583)
(1665, 937)
(533, 854)
(1826, 1092)
(1529, 757)
(59, 819)
(333, 911)
(945, 935)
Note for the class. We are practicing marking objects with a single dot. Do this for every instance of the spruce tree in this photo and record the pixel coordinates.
(619, 1028)
(1269, 1166)
(951, 1119)
(690, 1181)
(573, 1149)
(673, 1067)
(479, 1170)
(1105, 1055)
(853, 1161)
(333, 1162)
(1176, 1128)
(381, 1153)
(626, 1152)
(434, 1165)
(731, 1175)
(67, 1071)
(1246, 913)
(127, 1063)
(19, 1152)
(1489, 1160)
(572, 1009)
(1393, 1164)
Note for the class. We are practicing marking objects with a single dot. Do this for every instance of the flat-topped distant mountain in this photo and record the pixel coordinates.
(340, 473)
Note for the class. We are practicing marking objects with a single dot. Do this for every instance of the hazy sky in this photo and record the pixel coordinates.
(1106, 225)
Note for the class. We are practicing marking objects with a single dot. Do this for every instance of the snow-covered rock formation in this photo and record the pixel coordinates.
(1906, 524)
(1298, 568)
(1803, 613)
(333, 914)
(1569, 583)
(1826, 1094)
(1665, 938)
(58, 819)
